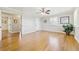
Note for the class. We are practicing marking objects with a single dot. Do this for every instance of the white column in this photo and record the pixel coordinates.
(0, 27)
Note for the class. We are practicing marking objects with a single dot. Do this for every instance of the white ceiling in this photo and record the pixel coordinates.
(34, 11)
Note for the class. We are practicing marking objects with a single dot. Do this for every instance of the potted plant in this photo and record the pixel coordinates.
(68, 28)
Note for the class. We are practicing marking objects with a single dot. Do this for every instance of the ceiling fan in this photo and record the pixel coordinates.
(45, 11)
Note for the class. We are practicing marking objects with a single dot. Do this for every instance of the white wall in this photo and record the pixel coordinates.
(76, 24)
(30, 24)
(54, 24)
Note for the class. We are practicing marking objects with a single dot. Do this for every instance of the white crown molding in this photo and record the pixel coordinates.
(11, 11)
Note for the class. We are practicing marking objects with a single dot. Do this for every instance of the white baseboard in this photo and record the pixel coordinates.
(30, 32)
(14, 32)
(53, 31)
(40, 30)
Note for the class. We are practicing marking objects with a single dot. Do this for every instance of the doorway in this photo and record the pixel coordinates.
(11, 31)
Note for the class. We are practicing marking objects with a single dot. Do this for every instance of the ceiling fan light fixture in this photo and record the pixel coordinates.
(45, 11)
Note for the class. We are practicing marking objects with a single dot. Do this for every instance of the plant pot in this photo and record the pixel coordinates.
(67, 33)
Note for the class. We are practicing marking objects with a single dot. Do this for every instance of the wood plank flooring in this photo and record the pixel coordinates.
(39, 41)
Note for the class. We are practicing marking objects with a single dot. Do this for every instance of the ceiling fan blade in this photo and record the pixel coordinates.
(43, 10)
(47, 12)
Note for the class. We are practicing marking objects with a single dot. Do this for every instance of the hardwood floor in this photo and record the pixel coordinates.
(39, 41)
(71, 44)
